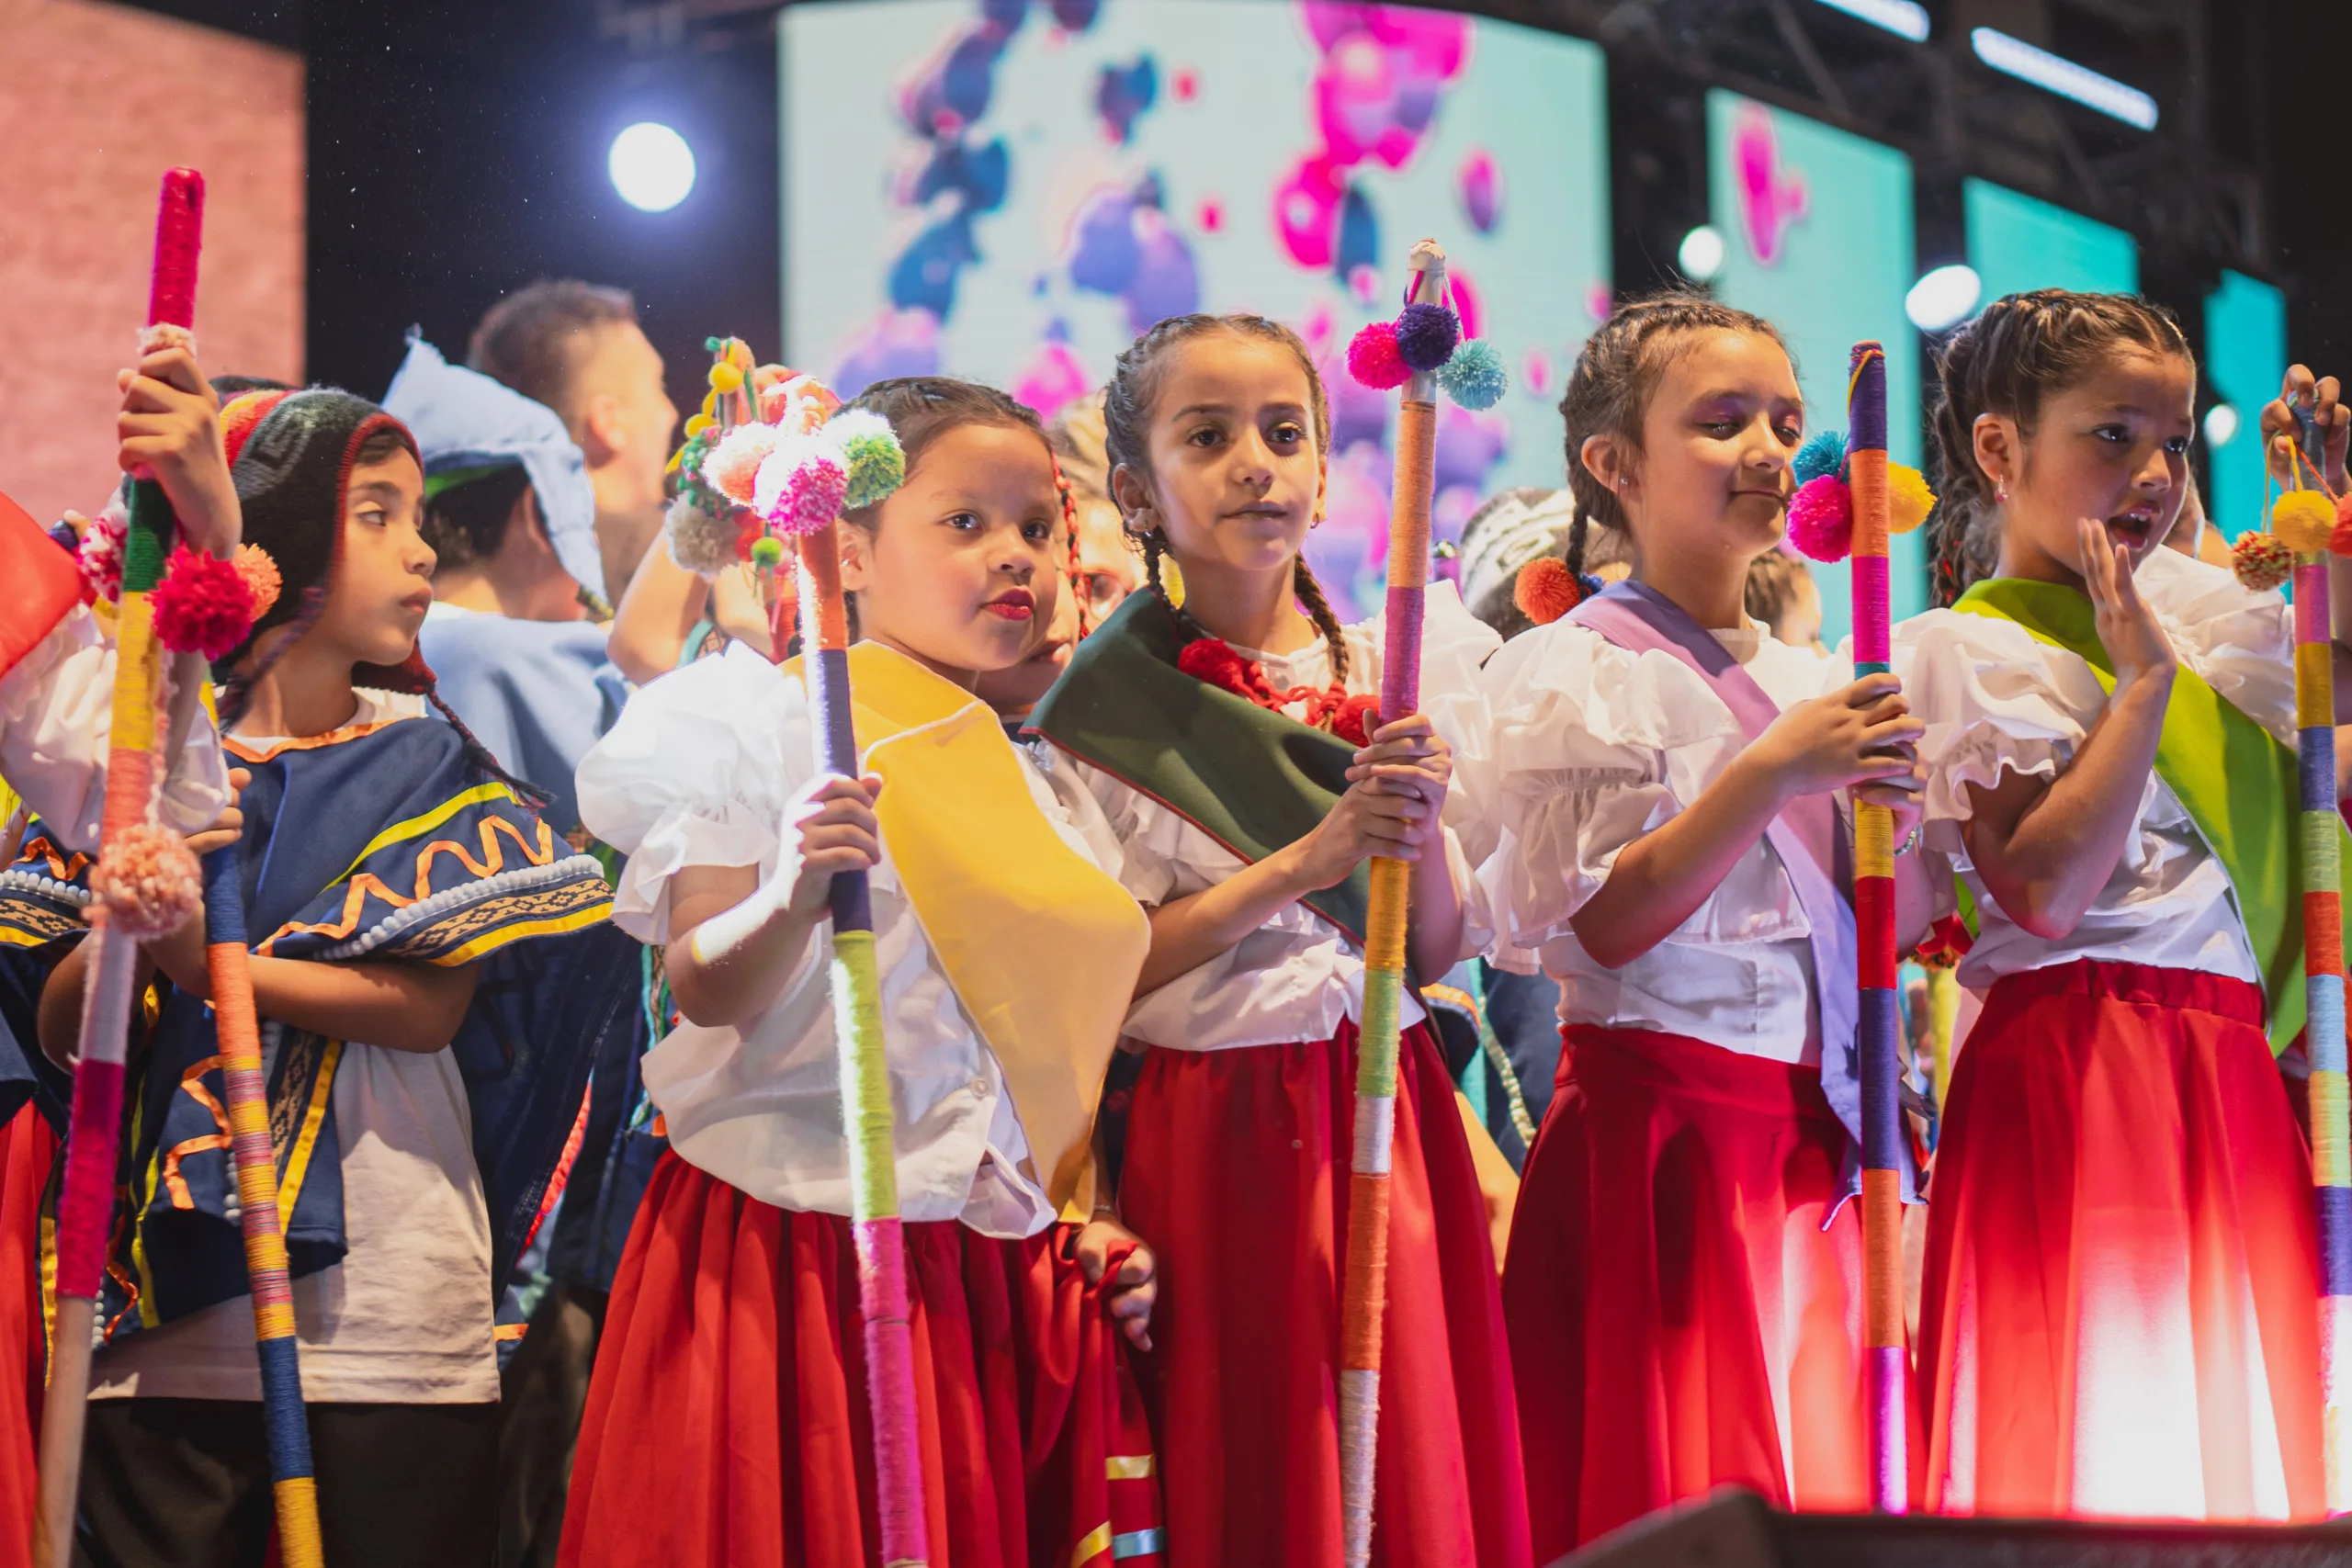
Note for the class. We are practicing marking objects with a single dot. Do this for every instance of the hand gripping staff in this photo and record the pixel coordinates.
(1419, 351)
(743, 487)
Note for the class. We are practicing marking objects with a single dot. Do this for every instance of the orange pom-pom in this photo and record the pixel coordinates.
(1545, 590)
(2340, 541)
(260, 572)
(149, 881)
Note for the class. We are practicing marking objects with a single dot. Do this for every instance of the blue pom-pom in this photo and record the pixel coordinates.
(1425, 335)
(1823, 454)
(1475, 376)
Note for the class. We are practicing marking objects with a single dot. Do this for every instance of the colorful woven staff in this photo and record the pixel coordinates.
(1419, 351)
(742, 485)
(1880, 1025)
(145, 887)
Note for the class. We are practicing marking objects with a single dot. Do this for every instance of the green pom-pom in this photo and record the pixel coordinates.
(1474, 377)
(1823, 454)
(878, 466)
(767, 551)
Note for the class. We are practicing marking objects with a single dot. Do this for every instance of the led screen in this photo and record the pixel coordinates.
(1817, 230)
(2016, 243)
(1012, 191)
(2246, 358)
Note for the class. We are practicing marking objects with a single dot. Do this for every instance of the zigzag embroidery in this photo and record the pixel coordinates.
(440, 904)
(366, 883)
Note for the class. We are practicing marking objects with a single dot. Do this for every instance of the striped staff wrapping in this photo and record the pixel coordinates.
(1880, 1022)
(146, 885)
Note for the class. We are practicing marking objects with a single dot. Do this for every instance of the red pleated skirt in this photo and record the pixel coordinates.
(1680, 1318)
(1236, 1172)
(27, 1151)
(2120, 1314)
(727, 1421)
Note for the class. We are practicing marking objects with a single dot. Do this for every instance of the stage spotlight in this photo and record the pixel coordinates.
(1905, 17)
(2060, 75)
(2220, 425)
(652, 166)
(1943, 297)
(1701, 255)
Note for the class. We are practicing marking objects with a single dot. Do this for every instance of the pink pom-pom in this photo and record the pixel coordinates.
(149, 881)
(1821, 518)
(261, 577)
(801, 485)
(100, 556)
(1373, 358)
(733, 466)
(202, 606)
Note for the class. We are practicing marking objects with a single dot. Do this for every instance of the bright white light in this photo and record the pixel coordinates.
(2220, 425)
(1895, 16)
(1943, 297)
(1701, 255)
(2063, 77)
(652, 166)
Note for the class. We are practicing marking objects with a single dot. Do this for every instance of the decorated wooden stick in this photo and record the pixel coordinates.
(1880, 1024)
(789, 475)
(145, 887)
(1419, 351)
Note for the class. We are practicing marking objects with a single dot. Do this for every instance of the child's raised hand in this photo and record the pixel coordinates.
(1858, 735)
(1137, 1286)
(2322, 398)
(170, 425)
(2135, 643)
(838, 832)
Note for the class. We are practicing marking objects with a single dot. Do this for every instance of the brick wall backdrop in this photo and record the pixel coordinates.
(96, 102)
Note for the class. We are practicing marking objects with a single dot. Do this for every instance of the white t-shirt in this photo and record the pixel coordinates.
(406, 1317)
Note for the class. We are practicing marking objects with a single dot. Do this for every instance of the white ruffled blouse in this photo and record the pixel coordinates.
(1297, 975)
(1585, 748)
(698, 771)
(1997, 700)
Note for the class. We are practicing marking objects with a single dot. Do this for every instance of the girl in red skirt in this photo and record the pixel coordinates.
(1226, 740)
(727, 1424)
(1653, 787)
(2119, 1314)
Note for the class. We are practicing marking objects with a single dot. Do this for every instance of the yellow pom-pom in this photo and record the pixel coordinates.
(697, 423)
(1908, 499)
(725, 378)
(2304, 519)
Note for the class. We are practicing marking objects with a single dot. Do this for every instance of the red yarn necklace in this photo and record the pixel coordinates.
(1212, 662)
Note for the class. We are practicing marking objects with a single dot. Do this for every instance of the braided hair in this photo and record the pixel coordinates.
(2023, 349)
(1127, 405)
(1608, 392)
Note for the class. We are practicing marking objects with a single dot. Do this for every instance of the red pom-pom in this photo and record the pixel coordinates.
(1356, 719)
(1374, 361)
(1821, 518)
(1545, 590)
(1213, 662)
(2340, 542)
(202, 606)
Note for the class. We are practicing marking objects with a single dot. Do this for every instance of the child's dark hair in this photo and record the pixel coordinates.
(1609, 392)
(2022, 350)
(921, 409)
(466, 523)
(1127, 439)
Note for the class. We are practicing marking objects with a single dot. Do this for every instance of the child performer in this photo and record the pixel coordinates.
(1213, 734)
(726, 1422)
(1684, 1284)
(399, 893)
(2121, 1273)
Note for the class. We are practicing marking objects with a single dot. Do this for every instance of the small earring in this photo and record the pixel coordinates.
(2001, 494)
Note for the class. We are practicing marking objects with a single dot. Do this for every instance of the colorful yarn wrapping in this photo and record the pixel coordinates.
(1374, 361)
(148, 881)
(1475, 376)
(733, 468)
(1821, 518)
(1908, 499)
(1875, 1040)
(203, 604)
(2304, 521)
(1545, 590)
(1426, 335)
(262, 580)
(1364, 1293)
(802, 485)
(1823, 453)
(2262, 561)
(700, 541)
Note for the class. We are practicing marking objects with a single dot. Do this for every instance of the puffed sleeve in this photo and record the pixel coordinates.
(1072, 808)
(2242, 642)
(1586, 748)
(697, 772)
(1994, 699)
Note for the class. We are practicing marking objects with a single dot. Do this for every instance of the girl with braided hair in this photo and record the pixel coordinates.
(1655, 793)
(1230, 740)
(2122, 1261)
